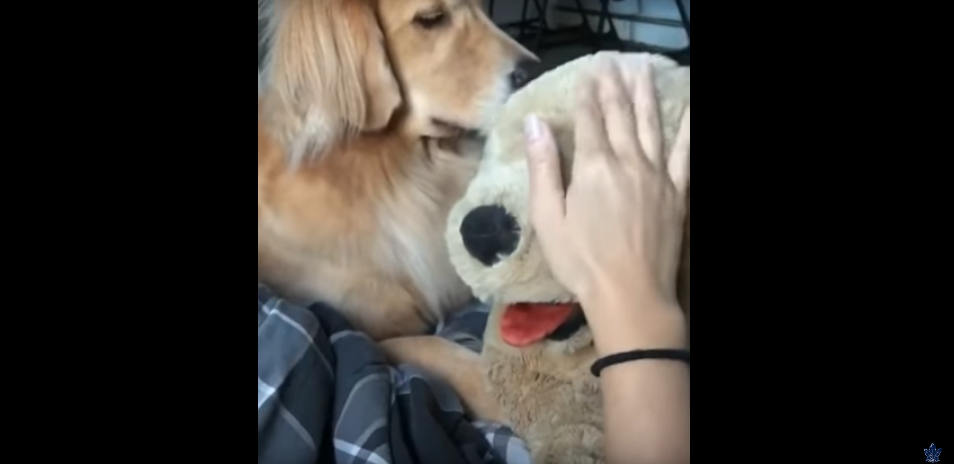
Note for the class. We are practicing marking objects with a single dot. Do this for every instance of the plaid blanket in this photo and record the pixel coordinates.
(326, 395)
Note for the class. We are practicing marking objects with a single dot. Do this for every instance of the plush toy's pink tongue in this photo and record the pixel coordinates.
(525, 324)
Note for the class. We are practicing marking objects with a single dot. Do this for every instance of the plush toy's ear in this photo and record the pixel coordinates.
(326, 72)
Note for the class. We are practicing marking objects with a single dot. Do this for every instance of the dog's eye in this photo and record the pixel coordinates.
(431, 20)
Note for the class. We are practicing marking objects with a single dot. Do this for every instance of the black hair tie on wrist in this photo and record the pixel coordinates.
(635, 355)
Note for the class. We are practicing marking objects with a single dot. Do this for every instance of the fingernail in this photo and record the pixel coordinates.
(532, 128)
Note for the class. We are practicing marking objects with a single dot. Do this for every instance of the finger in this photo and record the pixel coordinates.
(679, 158)
(618, 117)
(647, 115)
(547, 195)
(589, 131)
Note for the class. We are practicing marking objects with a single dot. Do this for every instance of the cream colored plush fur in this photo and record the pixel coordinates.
(545, 391)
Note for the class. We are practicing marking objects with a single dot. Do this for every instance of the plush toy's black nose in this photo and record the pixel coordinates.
(489, 233)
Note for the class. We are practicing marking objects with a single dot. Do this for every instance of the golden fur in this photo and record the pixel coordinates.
(545, 391)
(352, 198)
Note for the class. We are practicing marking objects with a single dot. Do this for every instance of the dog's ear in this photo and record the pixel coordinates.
(327, 73)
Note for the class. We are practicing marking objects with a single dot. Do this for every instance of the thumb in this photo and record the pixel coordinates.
(546, 182)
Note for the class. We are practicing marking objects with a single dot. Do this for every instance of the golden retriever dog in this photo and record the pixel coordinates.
(358, 103)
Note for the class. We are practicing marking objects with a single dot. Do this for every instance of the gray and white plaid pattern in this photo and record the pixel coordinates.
(507, 445)
(326, 394)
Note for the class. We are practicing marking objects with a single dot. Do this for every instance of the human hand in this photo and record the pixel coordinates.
(616, 233)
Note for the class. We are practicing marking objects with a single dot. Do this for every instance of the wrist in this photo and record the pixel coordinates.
(668, 332)
(634, 320)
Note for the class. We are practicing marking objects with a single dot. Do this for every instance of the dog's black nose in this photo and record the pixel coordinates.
(524, 73)
(489, 233)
